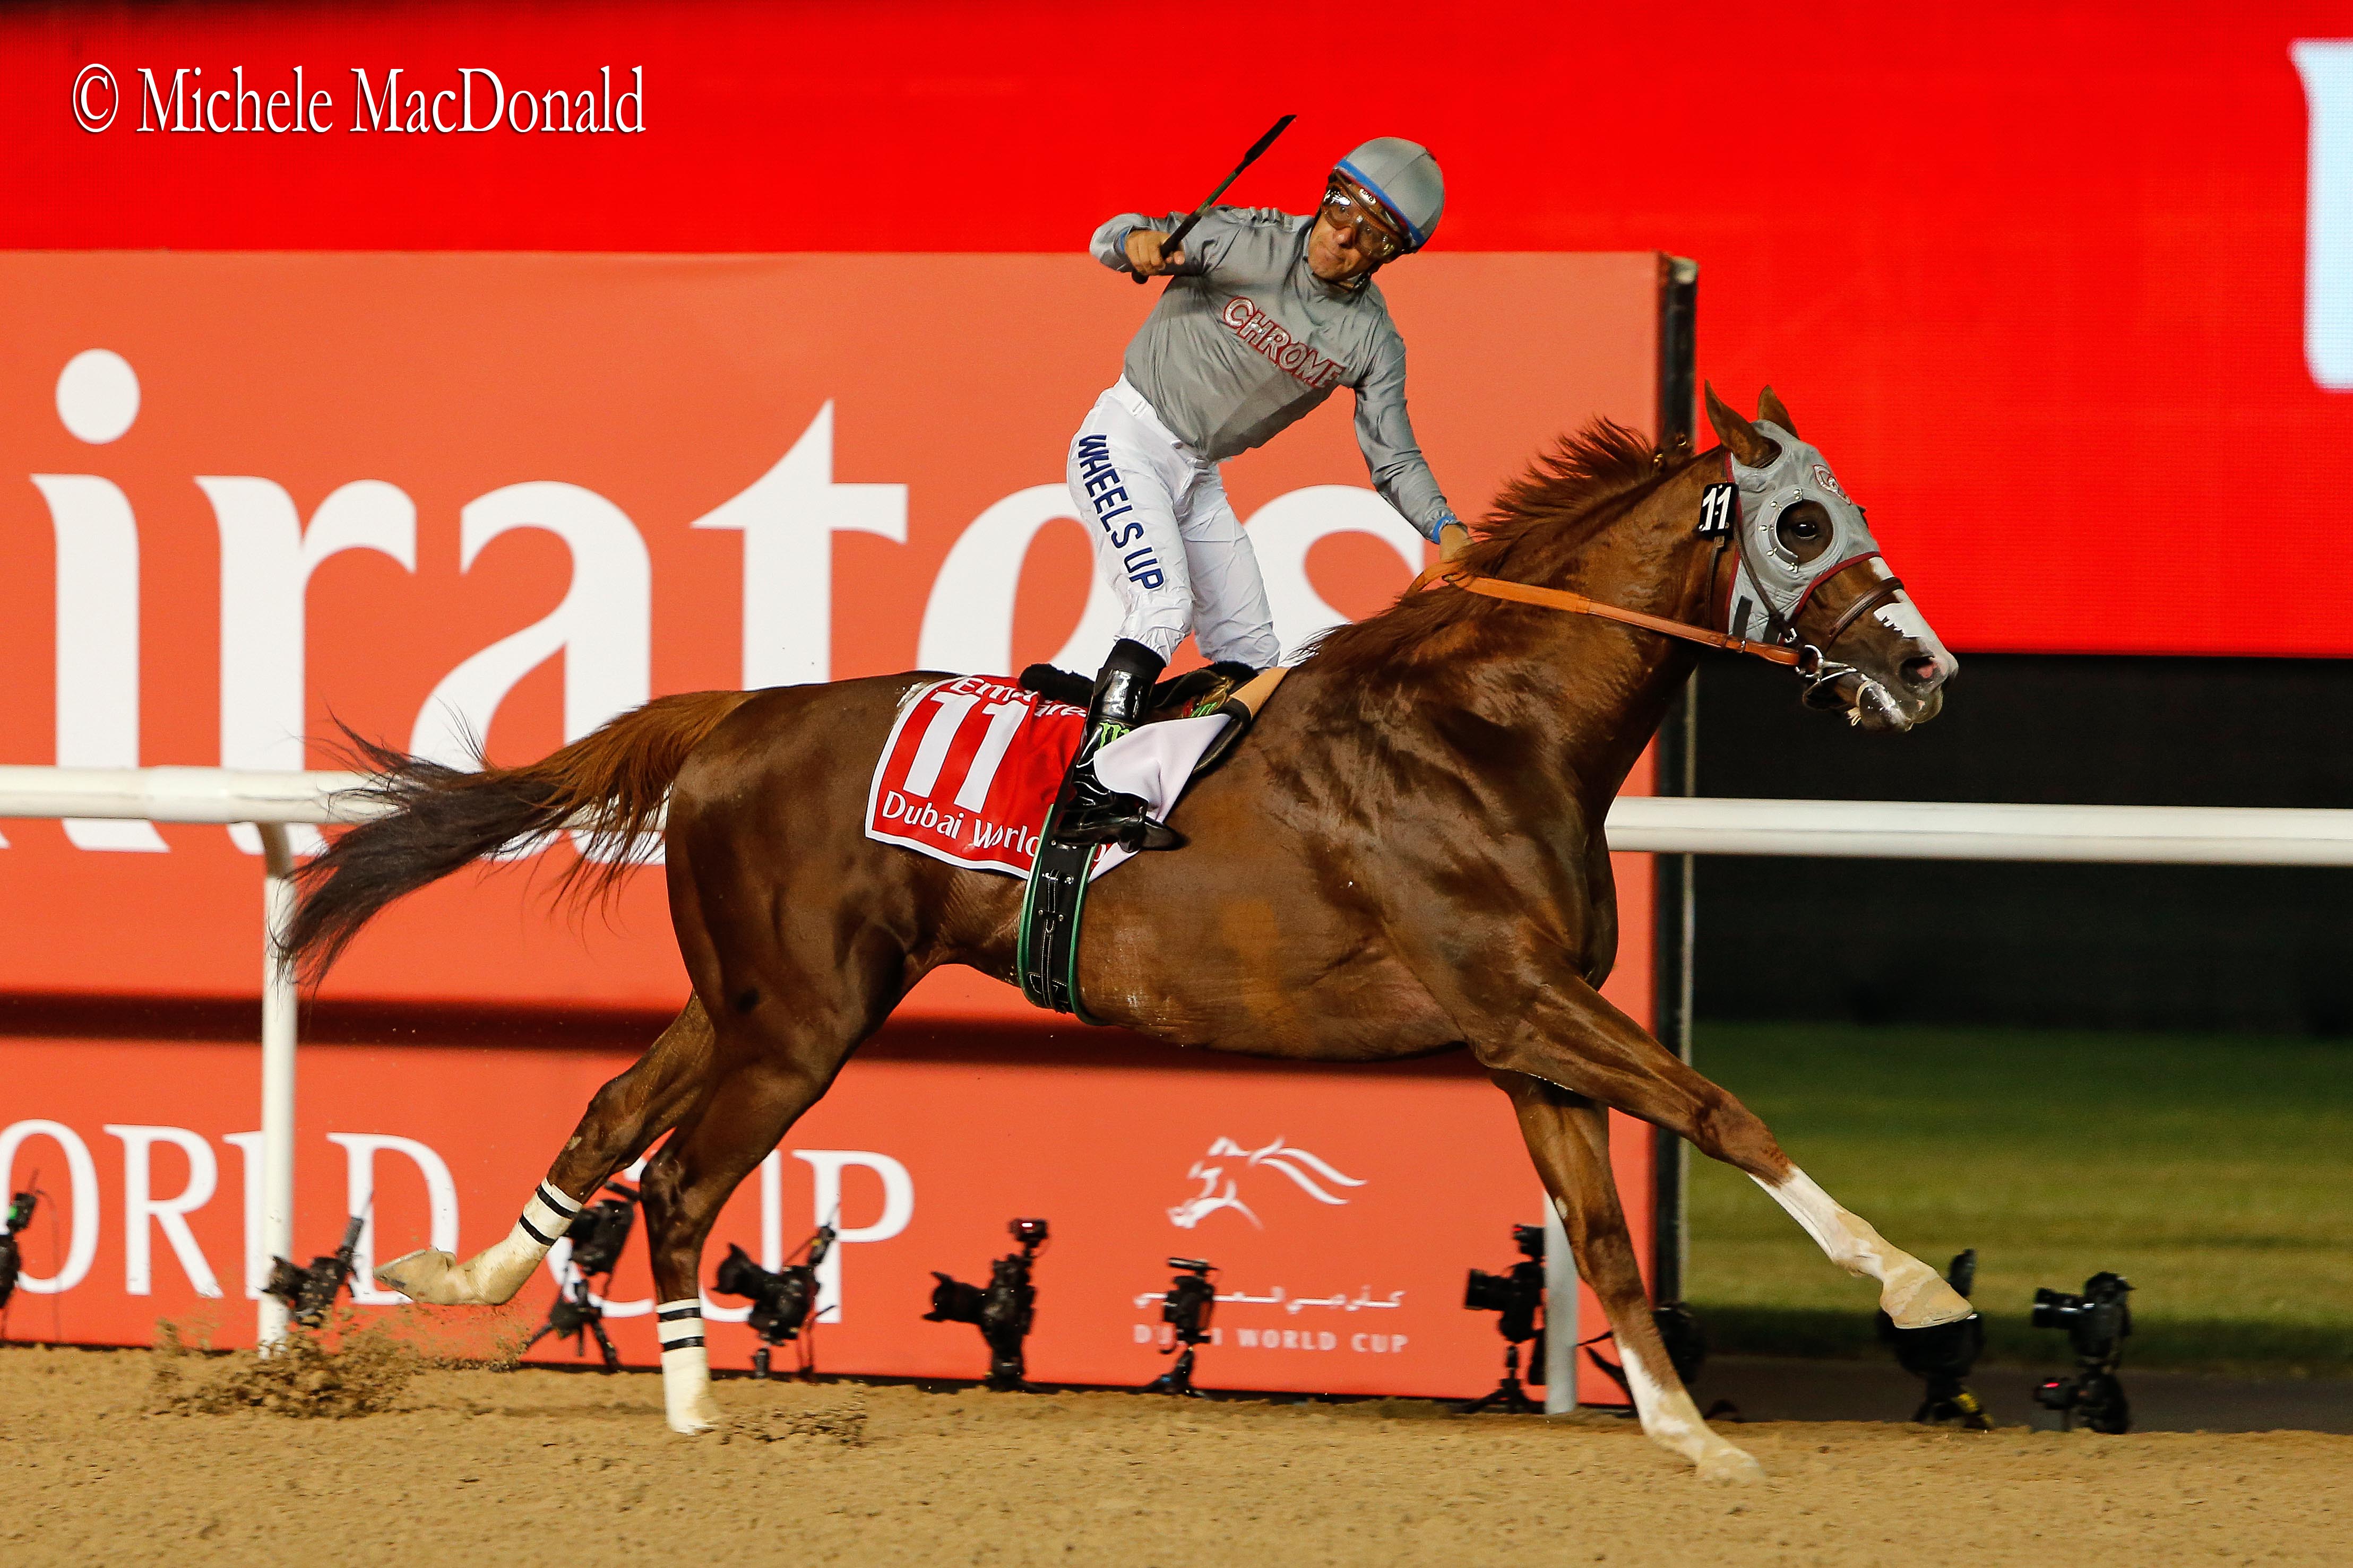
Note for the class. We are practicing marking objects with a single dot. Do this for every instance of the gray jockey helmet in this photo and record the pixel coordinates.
(1405, 177)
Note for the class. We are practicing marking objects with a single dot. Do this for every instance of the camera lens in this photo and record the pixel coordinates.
(953, 1301)
(739, 1275)
(1487, 1292)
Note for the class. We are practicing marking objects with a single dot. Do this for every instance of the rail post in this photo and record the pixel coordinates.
(278, 1000)
(1560, 1315)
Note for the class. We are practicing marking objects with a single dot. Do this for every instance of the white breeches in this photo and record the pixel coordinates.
(1165, 536)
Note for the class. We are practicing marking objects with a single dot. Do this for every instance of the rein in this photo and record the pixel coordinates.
(1810, 661)
(1578, 605)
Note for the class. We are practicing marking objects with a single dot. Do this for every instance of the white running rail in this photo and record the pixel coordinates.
(1893, 830)
(179, 795)
(1940, 831)
(271, 801)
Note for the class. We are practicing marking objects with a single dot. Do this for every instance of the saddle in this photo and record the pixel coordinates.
(1047, 954)
(1179, 697)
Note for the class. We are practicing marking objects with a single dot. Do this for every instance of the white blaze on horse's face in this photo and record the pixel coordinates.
(1798, 529)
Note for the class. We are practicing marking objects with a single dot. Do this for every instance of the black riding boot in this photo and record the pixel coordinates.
(1087, 812)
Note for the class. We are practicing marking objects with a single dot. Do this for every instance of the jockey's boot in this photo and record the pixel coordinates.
(1088, 811)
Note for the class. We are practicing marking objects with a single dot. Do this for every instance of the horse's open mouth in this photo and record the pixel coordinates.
(1871, 705)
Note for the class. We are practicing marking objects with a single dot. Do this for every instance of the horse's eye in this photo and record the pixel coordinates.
(1807, 529)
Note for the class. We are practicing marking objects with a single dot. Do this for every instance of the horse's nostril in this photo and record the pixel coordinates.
(1923, 673)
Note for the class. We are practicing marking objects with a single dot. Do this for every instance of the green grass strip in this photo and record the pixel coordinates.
(2216, 1173)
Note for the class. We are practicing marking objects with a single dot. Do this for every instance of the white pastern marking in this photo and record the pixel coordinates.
(1844, 1239)
(1913, 1294)
(1670, 1419)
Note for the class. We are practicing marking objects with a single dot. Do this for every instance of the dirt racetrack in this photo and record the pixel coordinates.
(546, 1467)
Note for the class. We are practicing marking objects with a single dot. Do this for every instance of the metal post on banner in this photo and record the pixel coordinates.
(279, 999)
(1673, 877)
(1675, 928)
(1560, 1316)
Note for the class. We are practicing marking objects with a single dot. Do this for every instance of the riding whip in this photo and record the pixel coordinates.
(1257, 147)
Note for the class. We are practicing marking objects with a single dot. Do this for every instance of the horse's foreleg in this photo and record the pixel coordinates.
(744, 1115)
(623, 1120)
(1575, 1039)
(1568, 1137)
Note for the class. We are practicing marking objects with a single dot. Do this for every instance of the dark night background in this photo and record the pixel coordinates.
(2196, 948)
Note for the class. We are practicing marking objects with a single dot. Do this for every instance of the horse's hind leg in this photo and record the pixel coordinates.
(745, 1114)
(800, 936)
(621, 1122)
(1568, 1136)
(1573, 1037)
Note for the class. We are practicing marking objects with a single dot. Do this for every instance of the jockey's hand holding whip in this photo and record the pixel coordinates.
(1148, 260)
(1145, 256)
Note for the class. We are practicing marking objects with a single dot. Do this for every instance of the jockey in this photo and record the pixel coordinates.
(1264, 314)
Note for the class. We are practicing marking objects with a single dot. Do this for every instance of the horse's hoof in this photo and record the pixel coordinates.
(1728, 1466)
(1923, 1301)
(705, 1418)
(421, 1276)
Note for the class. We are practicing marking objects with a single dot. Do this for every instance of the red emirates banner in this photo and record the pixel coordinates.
(513, 495)
(436, 495)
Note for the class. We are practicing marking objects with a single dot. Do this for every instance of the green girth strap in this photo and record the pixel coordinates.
(1046, 957)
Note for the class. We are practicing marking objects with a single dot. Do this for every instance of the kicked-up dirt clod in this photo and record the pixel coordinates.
(342, 1372)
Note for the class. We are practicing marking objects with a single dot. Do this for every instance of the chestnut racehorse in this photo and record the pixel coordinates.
(1405, 857)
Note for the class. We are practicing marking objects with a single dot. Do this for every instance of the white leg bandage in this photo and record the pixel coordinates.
(493, 1275)
(686, 1367)
(1911, 1292)
(547, 1215)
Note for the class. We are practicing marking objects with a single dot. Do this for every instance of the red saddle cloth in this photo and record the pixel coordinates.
(969, 771)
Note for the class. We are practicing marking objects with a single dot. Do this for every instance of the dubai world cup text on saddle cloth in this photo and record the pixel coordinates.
(973, 765)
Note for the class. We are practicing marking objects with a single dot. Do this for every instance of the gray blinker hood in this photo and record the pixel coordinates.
(1771, 584)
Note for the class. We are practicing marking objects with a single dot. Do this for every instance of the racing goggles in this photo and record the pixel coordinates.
(1352, 212)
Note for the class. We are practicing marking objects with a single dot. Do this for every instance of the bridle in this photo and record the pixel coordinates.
(1810, 661)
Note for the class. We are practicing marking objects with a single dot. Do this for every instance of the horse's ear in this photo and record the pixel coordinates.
(1752, 447)
(1770, 407)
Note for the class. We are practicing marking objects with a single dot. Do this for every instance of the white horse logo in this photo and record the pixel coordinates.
(1296, 1163)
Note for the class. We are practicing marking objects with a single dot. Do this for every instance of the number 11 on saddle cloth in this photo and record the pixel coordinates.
(972, 764)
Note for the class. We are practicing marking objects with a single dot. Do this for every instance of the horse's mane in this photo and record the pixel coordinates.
(1572, 491)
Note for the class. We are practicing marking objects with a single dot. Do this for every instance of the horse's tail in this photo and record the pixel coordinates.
(611, 785)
